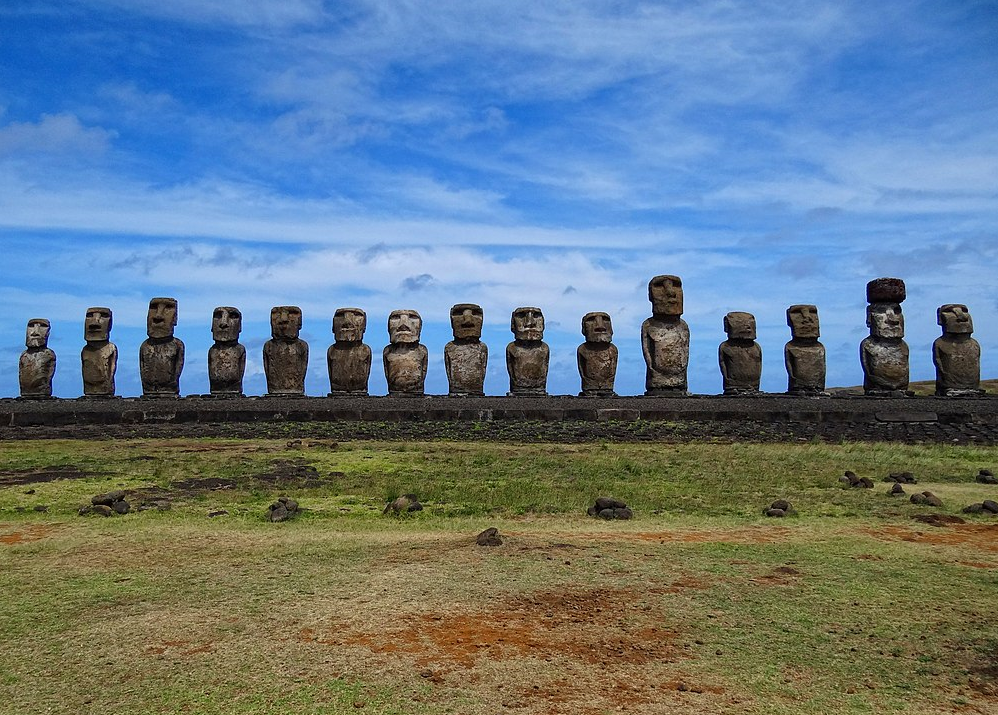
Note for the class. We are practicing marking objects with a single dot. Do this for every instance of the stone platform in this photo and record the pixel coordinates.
(766, 417)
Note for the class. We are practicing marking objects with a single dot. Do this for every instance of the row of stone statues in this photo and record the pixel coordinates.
(665, 342)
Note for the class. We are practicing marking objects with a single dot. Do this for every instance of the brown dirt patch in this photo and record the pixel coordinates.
(17, 477)
(30, 532)
(979, 536)
(591, 626)
(283, 473)
(747, 535)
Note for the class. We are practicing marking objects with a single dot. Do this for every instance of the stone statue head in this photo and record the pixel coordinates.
(666, 295)
(162, 317)
(97, 325)
(285, 322)
(739, 325)
(37, 333)
(404, 326)
(803, 321)
(226, 324)
(885, 320)
(466, 320)
(597, 328)
(349, 325)
(955, 319)
(527, 324)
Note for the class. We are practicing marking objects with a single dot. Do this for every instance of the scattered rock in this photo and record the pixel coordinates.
(986, 476)
(849, 477)
(926, 499)
(29, 491)
(404, 504)
(780, 507)
(282, 509)
(897, 490)
(109, 498)
(609, 509)
(973, 508)
(41, 508)
(217, 512)
(917, 499)
(489, 537)
(902, 478)
(990, 505)
(852, 480)
(121, 506)
(101, 510)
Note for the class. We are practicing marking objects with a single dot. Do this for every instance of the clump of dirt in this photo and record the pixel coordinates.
(283, 473)
(16, 477)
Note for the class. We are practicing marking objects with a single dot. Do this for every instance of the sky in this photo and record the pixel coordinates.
(554, 154)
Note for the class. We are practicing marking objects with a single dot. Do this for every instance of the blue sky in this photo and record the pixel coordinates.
(558, 154)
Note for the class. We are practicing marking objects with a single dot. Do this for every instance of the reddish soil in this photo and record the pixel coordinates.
(17, 477)
(29, 532)
(979, 536)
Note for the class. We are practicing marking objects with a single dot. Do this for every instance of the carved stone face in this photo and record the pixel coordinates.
(885, 320)
(37, 333)
(97, 325)
(803, 321)
(285, 322)
(226, 324)
(349, 325)
(404, 326)
(739, 326)
(466, 320)
(955, 319)
(162, 317)
(666, 295)
(527, 324)
(597, 328)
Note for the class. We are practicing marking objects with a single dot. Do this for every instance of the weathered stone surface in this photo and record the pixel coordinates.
(99, 357)
(775, 512)
(528, 355)
(956, 355)
(986, 477)
(405, 359)
(108, 498)
(897, 490)
(100, 510)
(609, 503)
(404, 504)
(489, 537)
(917, 499)
(466, 356)
(121, 507)
(348, 359)
(282, 509)
(740, 357)
(161, 356)
(597, 357)
(990, 505)
(623, 513)
(973, 508)
(36, 367)
(227, 357)
(884, 354)
(804, 356)
(902, 478)
(781, 504)
(285, 355)
(665, 338)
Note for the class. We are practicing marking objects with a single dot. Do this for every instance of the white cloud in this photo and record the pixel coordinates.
(53, 134)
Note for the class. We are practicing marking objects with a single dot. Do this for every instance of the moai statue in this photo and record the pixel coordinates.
(405, 359)
(161, 356)
(527, 356)
(804, 356)
(285, 355)
(957, 356)
(740, 356)
(348, 359)
(227, 357)
(665, 338)
(99, 356)
(884, 355)
(466, 356)
(597, 357)
(37, 364)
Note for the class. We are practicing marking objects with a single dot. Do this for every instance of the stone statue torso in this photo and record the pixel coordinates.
(527, 365)
(465, 363)
(405, 368)
(100, 362)
(226, 366)
(666, 348)
(349, 367)
(741, 365)
(597, 367)
(885, 364)
(958, 364)
(805, 363)
(285, 363)
(35, 370)
(160, 365)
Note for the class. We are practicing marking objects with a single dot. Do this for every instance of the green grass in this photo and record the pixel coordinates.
(849, 606)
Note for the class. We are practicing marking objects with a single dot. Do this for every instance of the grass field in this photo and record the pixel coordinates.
(699, 604)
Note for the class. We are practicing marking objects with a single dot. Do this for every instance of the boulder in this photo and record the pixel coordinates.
(775, 512)
(109, 498)
(990, 505)
(609, 503)
(622, 513)
(121, 507)
(404, 504)
(781, 504)
(973, 509)
(489, 537)
(897, 490)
